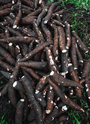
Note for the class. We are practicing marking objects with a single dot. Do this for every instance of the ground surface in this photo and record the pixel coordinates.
(80, 21)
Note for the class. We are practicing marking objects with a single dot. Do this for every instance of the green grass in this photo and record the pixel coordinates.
(3, 121)
(78, 3)
(77, 116)
(75, 24)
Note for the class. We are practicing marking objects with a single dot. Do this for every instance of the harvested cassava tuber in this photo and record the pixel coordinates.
(50, 11)
(40, 58)
(19, 112)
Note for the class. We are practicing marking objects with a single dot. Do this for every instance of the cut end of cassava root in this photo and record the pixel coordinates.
(64, 51)
(15, 84)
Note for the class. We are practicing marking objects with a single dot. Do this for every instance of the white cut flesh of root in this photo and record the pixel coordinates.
(22, 100)
(15, 84)
(64, 51)
(51, 73)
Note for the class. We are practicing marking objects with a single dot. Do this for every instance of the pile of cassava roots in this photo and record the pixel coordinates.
(41, 58)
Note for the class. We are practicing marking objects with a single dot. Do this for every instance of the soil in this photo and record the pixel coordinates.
(5, 106)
